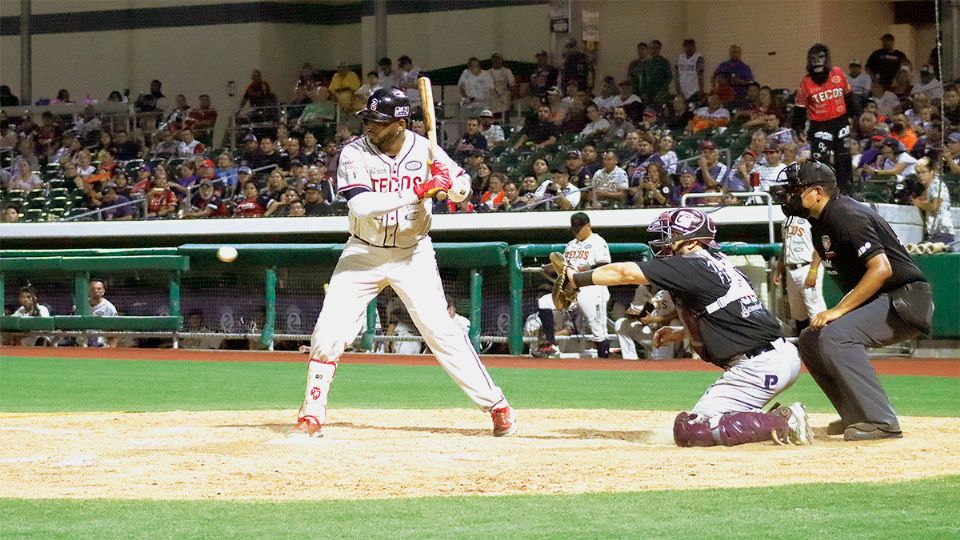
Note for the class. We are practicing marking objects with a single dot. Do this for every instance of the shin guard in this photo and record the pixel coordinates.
(749, 427)
(692, 430)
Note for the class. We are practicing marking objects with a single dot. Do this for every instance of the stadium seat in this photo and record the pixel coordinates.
(34, 215)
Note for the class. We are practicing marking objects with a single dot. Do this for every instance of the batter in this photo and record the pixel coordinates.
(388, 185)
(587, 250)
(726, 325)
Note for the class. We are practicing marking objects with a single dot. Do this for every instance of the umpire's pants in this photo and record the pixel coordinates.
(836, 357)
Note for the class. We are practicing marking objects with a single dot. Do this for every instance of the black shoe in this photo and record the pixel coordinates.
(837, 427)
(865, 431)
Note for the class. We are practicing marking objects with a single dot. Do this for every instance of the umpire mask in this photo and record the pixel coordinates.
(789, 191)
(818, 63)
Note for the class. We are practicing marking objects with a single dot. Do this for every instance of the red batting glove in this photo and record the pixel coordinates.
(439, 181)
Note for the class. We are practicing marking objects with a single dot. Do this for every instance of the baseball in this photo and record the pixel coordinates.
(227, 254)
(460, 190)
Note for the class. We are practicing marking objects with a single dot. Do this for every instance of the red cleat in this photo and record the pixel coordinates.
(307, 425)
(504, 421)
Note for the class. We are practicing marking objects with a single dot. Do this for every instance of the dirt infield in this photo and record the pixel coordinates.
(884, 366)
(407, 453)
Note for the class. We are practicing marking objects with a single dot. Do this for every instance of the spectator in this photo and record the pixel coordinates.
(399, 325)
(653, 188)
(317, 174)
(894, 162)
(11, 214)
(310, 150)
(741, 177)
(636, 164)
(597, 123)
(127, 148)
(206, 203)
(30, 306)
(282, 209)
(195, 326)
(577, 66)
(635, 68)
(165, 146)
(902, 86)
(557, 192)
(771, 167)
(7, 99)
(918, 102)
(203, 119)
(710, 172)
(929, 85)
(648, 121)
(504, 85)
(951, 106)
(48, 132)
(369, 87)
(153, 101)
(951, 154)
(757, 115)
(539, 132)
(590, 160)
(678, 115)
(528, 191)
(493, 196)
(609, 188)
(689, 72)
(667, 156)
(100, 307)
(23, 177)
(266, 156)
(541, 170)
(276, 185)
(186, 177)
(314, 204)
(258, 93)
(608, 98)
(860, 82)
(710, 117)
(409, 75)
(296, 209)
(85, 164)
(573, 166)
(543, 78)
(176, 119)
(688, 184)
(657, 76)
(161, 201)
(344, 78)
(792, 153)
(116, 207)
(481, 180)
(8, 136)
(934, 203)
(559, 110)
(387, 77)
(122, 183)
(189, 146)
(739, 73)
(511, 198)
(884, 63)
(619, 126)
(471, 140)
(902, 130)
(628, 100)
(491, 131)
(253, 204)
(226, 174)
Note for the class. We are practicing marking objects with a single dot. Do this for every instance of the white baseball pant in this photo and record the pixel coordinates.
(361, 273)
(804, 302)
(631, 331)
(592, 302)
(751, 382)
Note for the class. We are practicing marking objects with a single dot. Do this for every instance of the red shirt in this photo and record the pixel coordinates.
(254, 207)
(157, 200)
(824, 101)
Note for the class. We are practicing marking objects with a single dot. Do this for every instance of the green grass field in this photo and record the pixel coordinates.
(921, 509)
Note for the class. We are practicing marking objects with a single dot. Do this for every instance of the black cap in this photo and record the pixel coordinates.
(385, 105)
(579, 220)
(886, 37)
(815, 173)
(311, 187)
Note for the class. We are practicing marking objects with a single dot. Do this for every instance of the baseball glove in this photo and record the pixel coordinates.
(563, 292)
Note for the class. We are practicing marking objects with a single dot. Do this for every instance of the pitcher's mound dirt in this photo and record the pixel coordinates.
(407, 453)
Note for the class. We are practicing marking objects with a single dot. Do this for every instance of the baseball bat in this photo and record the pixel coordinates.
(429, 121)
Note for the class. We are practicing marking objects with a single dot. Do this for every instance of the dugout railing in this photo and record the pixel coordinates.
(273, 293)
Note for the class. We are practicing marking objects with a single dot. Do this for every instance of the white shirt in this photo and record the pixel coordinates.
(103, 309)
(570, 192)
(939, 222)
(188, 150)
(601, 125)
(587, 254)
(670, 162)
(366, 90)
(769, 174)
(618, 101)
(406, 347)
(704, 112)
(407, 80)
(30, 341)
(902, 157)
(362, 167)
(494, 135)
(887, 102)
(861, 84)
(797, 241)
(503, 83)
(663, 305)
(478, 87)
(688, 70)
(607, 104)
(934, 89)
(389, 81)
(611, 181)
(462, 322)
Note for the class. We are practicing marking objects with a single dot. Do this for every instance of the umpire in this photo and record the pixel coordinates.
(886, 300)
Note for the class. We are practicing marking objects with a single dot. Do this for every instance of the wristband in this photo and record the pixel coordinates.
(583, 279)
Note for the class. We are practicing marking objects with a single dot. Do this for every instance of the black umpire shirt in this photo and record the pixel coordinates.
(848, 234)
(697, 280)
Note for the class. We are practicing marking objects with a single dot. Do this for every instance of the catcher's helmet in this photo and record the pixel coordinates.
(386, 105)
(682, 224)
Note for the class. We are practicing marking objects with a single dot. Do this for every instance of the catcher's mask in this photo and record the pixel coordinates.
(682, 224)
(794, 180)
(818, 63)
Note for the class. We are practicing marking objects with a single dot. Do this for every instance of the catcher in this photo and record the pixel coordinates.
(726, 325)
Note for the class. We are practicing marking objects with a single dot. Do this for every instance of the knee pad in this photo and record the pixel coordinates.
(749, 427)
(691, 430)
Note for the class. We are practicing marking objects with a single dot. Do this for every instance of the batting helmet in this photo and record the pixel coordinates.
(386, 105)
(682, 224)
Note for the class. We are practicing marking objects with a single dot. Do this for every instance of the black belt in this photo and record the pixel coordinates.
(798, 265)
(761, 349)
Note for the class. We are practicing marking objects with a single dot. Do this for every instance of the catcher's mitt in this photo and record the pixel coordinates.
(563, 292)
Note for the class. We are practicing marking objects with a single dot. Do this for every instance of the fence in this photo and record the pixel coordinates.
(272, 294)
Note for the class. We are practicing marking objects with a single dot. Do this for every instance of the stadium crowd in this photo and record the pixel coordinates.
(660, 130)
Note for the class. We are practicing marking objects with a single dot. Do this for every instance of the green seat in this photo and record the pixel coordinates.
(58, 192)
(57, 203)
(57, 183)
(37, 202)
(34, 215)
(15, 194)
